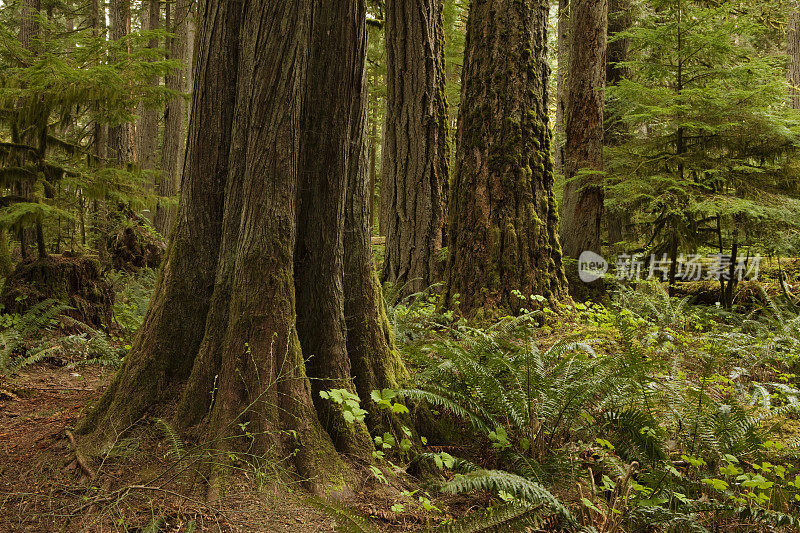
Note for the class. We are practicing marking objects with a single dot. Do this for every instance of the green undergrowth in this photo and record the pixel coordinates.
(642, 413)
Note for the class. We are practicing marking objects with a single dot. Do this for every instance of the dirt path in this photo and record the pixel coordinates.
(41, 488)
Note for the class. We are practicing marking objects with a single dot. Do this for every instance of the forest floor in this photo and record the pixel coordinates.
(42, 488)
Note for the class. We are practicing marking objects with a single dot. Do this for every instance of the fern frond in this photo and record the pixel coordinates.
(498, 480)
(347, 521)
(514, 516)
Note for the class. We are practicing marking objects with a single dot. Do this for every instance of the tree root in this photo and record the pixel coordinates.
(80, 459)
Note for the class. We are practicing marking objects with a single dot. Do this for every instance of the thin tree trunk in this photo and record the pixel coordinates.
(120, 137)
(174, 117)
(29, 36)
(502, 213)
(562, 53)
(616, 132)
(793, 50)
(373, 161)
(583, 149)
(415, 151)
(147, 128)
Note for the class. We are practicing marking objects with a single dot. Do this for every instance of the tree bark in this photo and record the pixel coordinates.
(415, 152)
(793, 50)
(333, 102)
(174, 117)
(164, 351)
(502, 215)
(26, 133)
(121, 146)
(223, 320)
(562, 54)
(616, 132)
(147, 128)
(583, 149)
(374, 361)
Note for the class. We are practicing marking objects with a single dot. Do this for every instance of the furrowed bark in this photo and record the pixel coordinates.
(502, 215)
(173, 151)
(164, 351)
(333, 100)
(583, 149)
(415, 151)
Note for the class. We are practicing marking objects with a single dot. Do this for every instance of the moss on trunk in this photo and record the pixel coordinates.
(502, 213)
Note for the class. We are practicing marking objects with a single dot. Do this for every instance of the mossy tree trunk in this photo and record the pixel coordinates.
(121, 145)
(147, 127)
(583, 149)
(240, 281)
(415, 150)
(374, 361)
(502, 214)
(164, 351)
(562, 54)
(34, 134)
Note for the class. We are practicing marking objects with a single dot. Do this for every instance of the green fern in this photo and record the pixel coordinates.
(177, 448)
(495, 481)
(347, 521)
(514, 516)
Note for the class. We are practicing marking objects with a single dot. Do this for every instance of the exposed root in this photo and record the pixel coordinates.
(80, 459)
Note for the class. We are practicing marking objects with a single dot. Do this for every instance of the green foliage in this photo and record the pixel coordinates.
(55, 93)
(496, 481)
(712, 138)
(348, 402)
(665, 434)
(30, 338)
(347, 521)
(132, 297)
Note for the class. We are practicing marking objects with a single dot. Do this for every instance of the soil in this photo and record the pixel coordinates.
(43, 489)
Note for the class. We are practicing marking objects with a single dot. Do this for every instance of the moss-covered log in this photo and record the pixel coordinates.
(134, 245)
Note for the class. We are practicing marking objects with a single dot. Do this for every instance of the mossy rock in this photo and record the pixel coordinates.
(135, 245)
(72, 279)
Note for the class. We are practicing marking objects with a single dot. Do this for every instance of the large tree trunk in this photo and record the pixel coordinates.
(333, 103)
(503, 219)
(24, 131)
(174, 117)
(165, 348)
(374, 361)
(121, 146)
(415, 150)
(223, 317)
(583, 149)
(793, 50)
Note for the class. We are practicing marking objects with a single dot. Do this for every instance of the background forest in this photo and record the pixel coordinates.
(399, 265)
